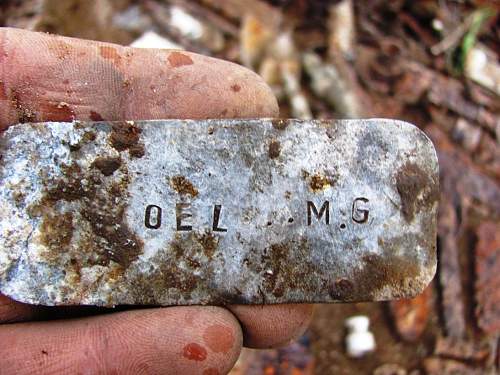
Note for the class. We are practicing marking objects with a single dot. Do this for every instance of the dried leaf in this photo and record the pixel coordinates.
(411, 315)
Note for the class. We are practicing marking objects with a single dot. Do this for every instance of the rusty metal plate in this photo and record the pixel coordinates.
(216, 212)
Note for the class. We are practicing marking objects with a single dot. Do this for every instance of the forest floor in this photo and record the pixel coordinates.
(432, 63)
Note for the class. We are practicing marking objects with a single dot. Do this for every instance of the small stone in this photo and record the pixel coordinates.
(359, 340)
(466, 134)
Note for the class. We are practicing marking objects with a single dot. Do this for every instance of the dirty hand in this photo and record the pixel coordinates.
(50, 78)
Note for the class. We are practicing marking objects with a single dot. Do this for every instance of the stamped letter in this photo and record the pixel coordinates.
(325, 209)
(360, 214)
(152, 212)
(181, 213)
(215, 225)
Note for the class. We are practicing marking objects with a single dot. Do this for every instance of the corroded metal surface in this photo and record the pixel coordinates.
(217, 211)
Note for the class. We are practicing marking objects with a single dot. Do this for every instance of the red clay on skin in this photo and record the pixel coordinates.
(57, 112)
(94, 116)
(177, 59)
(236, 88)
(194, 352)
(211, 371)
(110, 53)
(3, 93)
(219, 338)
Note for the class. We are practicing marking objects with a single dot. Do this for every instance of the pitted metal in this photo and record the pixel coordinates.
(177, 212)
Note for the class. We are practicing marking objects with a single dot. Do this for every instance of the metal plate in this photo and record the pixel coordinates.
(216, 212)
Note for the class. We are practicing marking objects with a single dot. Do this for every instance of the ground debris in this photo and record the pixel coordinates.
(411, 315)
(462, 350)
(402, 57)
(449, 275)
(390, 369)
(438, 366)
(488, 278)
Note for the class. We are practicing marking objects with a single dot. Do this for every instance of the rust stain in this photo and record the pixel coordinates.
(70, 187)
(101, 210)
(87, 137)
(122, 245)
(387, 270)
(274, 149)
(107, 165)
(110, 53)
(170, 276)
(19, 197)
(209, 242)
(182, 269)
(236, 88)
(137, 151)
(380, 271)
(282, 265)
(57, 231)
(319, 182)
(177, 59)
(176, 277)
(219, 338)
(416, 189)
(183, 186)
(95, 116)
(194, 352)
(279, 124)
(342, 287)
(125, 136)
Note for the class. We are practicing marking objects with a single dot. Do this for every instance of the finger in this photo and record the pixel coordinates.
(12, 311)
(177, 340)
(52, 78)
(273, 325)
